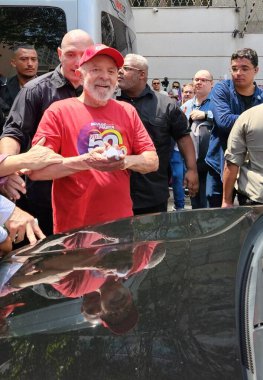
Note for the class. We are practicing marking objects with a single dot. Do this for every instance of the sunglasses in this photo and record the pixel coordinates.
(130, 68)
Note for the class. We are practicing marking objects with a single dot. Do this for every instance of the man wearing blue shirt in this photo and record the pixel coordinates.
(198, 111)
(229, 99)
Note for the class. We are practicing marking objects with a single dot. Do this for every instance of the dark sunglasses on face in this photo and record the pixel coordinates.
(130, 68)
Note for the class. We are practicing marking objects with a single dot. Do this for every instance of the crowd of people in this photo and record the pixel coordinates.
(228, 160)
(75, 152)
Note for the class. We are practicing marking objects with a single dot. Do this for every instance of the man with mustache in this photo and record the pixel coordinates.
(86, 131)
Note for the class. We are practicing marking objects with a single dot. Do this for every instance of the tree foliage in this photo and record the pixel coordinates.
(39, 26)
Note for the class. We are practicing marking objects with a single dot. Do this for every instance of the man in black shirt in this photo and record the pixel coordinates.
(25, 62)
(163, 121)
(21, 124)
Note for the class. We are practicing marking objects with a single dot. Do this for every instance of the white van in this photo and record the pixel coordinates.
(43, 23)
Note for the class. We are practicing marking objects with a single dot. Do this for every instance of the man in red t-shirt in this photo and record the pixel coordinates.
(99, 138)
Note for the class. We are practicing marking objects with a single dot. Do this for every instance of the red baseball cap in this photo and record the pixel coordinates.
(100, 49)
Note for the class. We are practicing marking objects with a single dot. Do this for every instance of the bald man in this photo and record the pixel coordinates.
(33, 99)
(198, 111)
(163, 121)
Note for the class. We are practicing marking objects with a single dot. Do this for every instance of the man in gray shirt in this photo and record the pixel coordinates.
(244, 159)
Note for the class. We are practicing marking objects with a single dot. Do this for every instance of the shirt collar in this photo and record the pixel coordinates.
(58, 80)
(203, 102)
(147, 91)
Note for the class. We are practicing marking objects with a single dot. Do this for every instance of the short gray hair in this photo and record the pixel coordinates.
(140, 60)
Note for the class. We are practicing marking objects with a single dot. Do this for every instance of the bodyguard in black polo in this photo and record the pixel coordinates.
(27, 110)
(164, 121)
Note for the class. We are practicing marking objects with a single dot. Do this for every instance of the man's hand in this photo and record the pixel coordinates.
(21, 223)
(13, 187)
(97, 159)
(227, 205)
(191, 182)
(143, 163)
(197, 115)
(39, 156)
(187, 149)
(36, 158)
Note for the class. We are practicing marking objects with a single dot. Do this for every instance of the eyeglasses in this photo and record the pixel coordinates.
(156, 82)
(175, 86)
(130, 68)
(203, 80)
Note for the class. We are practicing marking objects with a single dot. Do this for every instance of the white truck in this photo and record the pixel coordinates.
(43, 23)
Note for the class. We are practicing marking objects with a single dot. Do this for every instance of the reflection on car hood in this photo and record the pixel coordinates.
(169, 279)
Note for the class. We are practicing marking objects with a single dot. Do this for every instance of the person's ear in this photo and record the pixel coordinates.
(256, 69)
(59, 51)
(142, 74)
(13, 63)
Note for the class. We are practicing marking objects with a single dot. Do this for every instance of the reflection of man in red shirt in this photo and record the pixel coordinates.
(112, 304)
(105, 299)
(114, 263)
(93, 266)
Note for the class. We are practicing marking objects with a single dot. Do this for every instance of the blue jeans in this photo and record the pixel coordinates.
(214, 188)
(178, 172)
